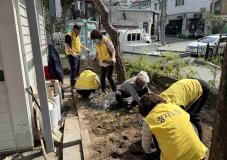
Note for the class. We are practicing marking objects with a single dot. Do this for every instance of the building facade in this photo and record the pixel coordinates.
(135, 14)
(185, 17)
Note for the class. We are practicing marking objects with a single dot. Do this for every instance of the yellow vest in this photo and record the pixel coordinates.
(173, 130)
(102, 50)
(75, 44)
(183, 92)
(87, 80)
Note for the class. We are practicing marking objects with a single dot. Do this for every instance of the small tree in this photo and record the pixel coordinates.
(163, 5)
(218, 149)
(100, 6)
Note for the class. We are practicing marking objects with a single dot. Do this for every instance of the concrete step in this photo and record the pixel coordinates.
(71, 131)
(72, 153)
(72, 149)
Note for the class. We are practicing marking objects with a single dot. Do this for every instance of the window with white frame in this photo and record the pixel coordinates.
(179, 2)
(156, 6)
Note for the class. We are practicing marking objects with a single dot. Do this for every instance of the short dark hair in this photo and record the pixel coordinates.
(76, 27)
(148, 102)
(96, 34)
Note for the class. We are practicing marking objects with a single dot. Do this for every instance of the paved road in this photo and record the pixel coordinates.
(175, 44)
(206, 74)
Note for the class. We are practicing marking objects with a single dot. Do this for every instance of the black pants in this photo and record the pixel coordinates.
(120, 95)
(74, 63)
(85, 93)
(107, 72)
(196, 107)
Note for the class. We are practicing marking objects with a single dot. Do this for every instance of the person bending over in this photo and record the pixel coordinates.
(171, 127)
(134, 87)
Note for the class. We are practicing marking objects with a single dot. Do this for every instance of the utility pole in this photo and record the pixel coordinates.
(110, 2)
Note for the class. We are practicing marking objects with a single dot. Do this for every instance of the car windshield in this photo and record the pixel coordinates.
(208, 39)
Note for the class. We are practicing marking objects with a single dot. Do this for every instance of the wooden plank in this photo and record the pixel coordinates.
(3, 96)
(72, 153)
(28, 48)
(32, 76)
(24, 21)
(26, 39)
(71, 131)
(22, 4)
(4, 107)
(23, 11)
(29, 56)
(85, 138)
(8, 144)
(7, 135)
(3, 87)
(5, 117)
(6, 127)
(25, 30)
(42, 36)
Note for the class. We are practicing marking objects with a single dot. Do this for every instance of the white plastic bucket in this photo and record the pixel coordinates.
(58, 105)
(53, 114)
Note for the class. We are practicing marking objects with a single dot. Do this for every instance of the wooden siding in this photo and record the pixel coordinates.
(27, 46)
(7, 137)
(42, 31)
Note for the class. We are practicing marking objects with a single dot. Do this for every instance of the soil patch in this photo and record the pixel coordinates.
(117, 134)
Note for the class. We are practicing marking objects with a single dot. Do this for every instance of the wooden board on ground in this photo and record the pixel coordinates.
(71, 131)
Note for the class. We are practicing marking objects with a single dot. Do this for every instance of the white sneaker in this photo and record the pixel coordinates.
(92, 95)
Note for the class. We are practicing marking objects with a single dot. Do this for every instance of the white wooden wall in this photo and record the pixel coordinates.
(15, 117)
(42, 31)
(23, 25)
(17, 62)
(7, 139)
(26, 41)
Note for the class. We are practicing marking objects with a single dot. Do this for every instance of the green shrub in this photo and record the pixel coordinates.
(170, 66)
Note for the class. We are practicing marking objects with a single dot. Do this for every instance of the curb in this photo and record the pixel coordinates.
(206, 63)
(162, 50)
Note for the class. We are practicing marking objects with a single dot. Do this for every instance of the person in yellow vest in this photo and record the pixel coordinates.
(105, 54)
(87, 83)
(190, 95)
(72, 50)
(170, 124)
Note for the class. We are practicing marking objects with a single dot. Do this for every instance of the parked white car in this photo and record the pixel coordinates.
(199, 46)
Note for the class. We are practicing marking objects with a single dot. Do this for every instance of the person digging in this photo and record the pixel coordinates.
(190, 95)
(132, 88)
(87, 83)
(174, 135)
